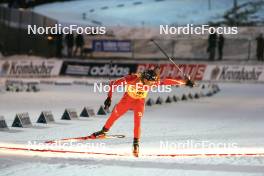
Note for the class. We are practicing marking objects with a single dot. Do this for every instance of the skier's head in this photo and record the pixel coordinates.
(149, 76)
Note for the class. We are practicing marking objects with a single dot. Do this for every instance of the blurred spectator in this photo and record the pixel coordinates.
(1, 47)
(69, 42)
(79, 43)
(17, 3)
(260, 47)
(13, 4)
(59, 45)
(212, 40)
(221, 43)
(51, 40)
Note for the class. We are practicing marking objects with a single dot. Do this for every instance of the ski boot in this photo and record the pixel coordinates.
(136, 147)
(100, 134)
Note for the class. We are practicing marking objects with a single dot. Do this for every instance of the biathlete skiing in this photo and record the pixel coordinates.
(137, 87)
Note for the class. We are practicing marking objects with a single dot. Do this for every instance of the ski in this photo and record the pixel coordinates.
(84, 138)
(123, 154)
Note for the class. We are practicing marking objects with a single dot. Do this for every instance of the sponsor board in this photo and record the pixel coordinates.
(234, 73)
(30, 68)
(112, 45)
(97, 69)
(48, 68)
(196, 71)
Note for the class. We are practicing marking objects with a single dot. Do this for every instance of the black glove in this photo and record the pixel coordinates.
(189, 82)
(107, 103)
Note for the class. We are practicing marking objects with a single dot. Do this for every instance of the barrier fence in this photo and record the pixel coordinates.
(39, 68)
(234, 49)
(188, 48)
(13, 33)
(14, 37)
(21, 18)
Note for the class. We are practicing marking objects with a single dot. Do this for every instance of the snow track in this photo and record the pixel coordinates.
(233, 116)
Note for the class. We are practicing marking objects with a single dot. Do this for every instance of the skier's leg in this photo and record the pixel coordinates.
(137, 123)
(138, 114)
(118, 111)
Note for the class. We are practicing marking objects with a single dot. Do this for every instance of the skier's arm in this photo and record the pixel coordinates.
(187, 82)
(107, 102)
(121, 81)
(115, 83)
(172, 82)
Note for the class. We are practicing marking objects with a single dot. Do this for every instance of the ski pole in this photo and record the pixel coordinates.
(183, 74)
(109, 78)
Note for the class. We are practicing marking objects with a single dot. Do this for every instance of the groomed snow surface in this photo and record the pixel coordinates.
(232, 116)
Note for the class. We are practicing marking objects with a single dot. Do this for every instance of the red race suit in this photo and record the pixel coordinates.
(133, 99)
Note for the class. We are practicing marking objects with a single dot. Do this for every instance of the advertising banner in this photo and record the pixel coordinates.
(98, 69)
(196, 71)
(30, 68)
(112, 46)
(234, 73)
